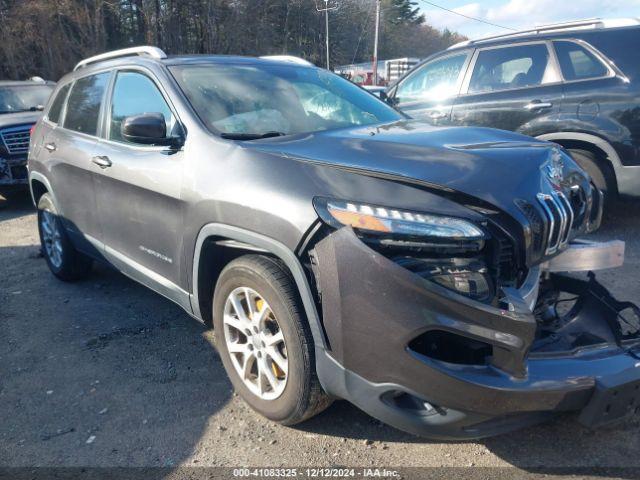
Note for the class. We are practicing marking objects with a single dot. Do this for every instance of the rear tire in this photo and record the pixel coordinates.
(600, 172)
(64, 261)
(265, 283)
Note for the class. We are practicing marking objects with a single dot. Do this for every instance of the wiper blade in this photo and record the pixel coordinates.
(251, 136)
(13, 111)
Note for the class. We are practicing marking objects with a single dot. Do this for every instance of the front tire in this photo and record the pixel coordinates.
(64, 261)
(600, 172)
(264, 341)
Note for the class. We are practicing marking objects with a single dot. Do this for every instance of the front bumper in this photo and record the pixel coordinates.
(13, 171)
(373, 309)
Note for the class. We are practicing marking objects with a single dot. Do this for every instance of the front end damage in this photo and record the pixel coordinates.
(428, 360)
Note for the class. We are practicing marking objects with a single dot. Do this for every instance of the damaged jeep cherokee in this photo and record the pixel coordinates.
(438, 278)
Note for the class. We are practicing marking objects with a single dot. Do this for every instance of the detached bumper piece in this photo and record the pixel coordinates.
(426, 360)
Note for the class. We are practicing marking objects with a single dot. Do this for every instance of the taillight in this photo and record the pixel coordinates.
(33, 127)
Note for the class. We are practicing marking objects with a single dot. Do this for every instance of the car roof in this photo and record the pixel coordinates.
(543, 32)
(22, 83)
(149, 55)
(234, 59)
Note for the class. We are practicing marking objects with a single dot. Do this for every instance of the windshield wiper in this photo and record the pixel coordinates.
(251, 136)
(14, 111)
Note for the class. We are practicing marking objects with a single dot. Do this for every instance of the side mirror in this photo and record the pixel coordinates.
(147, 129)
(389, 98)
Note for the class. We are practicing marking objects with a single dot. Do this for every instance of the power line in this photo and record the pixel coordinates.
(467, 16)
(364, 27)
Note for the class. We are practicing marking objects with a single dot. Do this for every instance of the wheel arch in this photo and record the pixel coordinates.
(213, 251)
(38, 186)
(592, 143)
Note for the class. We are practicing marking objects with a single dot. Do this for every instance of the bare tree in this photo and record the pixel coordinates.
(47, 37)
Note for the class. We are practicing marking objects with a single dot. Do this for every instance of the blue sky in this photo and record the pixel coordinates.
(522, 13)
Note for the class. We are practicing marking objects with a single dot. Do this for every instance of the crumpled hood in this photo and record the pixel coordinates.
(493, 165)
(19, 118)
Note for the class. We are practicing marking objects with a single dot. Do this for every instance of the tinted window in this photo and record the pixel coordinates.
(135, 94)
(577, 62)
(511, 67)
(263, 98)
(56, 105)
(83, 106)
(435, 80)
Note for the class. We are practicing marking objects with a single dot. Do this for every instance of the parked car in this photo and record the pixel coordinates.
(339, 249)
(576, 84)
(21, 104)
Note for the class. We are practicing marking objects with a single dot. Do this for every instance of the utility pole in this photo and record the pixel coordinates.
(375, 44)
(326, 21)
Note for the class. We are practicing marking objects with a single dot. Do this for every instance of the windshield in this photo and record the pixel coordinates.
(23, 98)
(254, 101)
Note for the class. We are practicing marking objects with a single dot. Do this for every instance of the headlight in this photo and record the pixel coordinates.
(382, 220)
(448, 251)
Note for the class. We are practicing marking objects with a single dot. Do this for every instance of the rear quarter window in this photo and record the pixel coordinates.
(56, 105)
(83, 106)
(618, 45)
(578, 63)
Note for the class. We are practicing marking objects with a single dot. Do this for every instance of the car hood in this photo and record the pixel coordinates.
(494, 166)
(18, 118)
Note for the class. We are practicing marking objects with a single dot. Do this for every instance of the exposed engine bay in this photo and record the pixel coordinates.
(574, 313)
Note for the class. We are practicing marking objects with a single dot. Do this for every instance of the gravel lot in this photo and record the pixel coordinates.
(107, 373)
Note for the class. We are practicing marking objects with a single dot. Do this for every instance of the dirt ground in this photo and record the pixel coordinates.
(107, 373)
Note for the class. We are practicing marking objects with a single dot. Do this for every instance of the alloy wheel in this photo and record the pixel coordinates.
(51, 238)
(255, 343)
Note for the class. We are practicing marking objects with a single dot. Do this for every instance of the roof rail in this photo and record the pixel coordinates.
(153, 52)
(562, 26)
(288, 58)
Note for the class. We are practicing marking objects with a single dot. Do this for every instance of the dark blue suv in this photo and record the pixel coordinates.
(576, 84)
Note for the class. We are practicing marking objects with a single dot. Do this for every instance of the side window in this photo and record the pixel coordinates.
(134, 94)
(83, 106)
(578, 63)
(435, 80)
(510, 67)
(56, 105)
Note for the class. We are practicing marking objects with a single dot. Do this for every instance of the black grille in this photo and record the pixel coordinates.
(536, 223)
(16, 139)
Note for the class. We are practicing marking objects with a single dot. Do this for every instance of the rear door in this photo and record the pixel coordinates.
(513, 87)
(429, 92)
(139, 187)
(70, 147)
(592, 89)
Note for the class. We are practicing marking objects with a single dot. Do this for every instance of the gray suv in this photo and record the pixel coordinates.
(339, 249)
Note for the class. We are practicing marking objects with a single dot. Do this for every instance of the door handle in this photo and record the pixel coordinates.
(102, 161)
(436, 115)
(537, 104)
(50, 147)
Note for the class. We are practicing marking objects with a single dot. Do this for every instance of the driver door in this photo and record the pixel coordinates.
(429, 92)
(138, 188)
